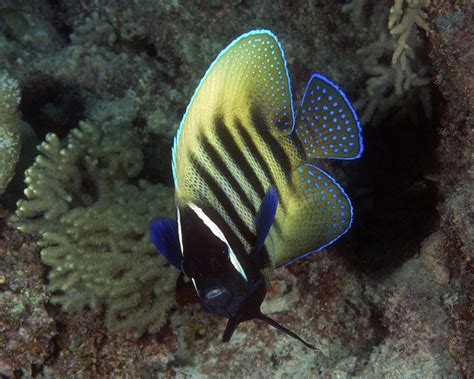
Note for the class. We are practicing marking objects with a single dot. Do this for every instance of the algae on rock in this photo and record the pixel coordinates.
(10, 136)
(91, 213)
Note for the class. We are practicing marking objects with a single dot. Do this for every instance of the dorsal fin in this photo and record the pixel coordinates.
(251, 72)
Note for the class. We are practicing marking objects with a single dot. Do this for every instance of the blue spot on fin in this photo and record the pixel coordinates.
(327, 124)
(164, 235)
(265, 216)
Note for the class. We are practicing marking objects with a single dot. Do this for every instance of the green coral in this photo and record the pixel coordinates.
(10, 136)
(91, 213)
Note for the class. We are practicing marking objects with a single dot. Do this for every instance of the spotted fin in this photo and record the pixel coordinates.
(319, 212)
(250, 74)
(327, 125)
(164, 235)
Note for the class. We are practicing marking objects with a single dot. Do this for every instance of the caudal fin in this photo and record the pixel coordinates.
(327, 124)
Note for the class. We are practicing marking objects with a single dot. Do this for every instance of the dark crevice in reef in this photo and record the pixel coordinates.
(58, 22)
(56, 314)
(140, 45)
(157, 152)
(50, 106)
(157, 165)
(89, 192)
(379, 333)
(394, 200)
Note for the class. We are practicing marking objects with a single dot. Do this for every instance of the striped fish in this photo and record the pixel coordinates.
(248, 195)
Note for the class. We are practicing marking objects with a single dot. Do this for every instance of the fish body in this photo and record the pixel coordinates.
(248, 194)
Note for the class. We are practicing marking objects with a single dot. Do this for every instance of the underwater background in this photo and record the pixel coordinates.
(91, 95)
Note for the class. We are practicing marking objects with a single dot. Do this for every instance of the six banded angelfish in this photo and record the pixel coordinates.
(248, 195)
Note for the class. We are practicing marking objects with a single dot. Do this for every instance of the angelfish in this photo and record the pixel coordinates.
(248, 197)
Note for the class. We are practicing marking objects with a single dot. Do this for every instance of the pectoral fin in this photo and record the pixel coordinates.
(164, 235)
(265, 216)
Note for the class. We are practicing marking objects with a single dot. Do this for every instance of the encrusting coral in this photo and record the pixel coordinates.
(10, 136)
(91, 213)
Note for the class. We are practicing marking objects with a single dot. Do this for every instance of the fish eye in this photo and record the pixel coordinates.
(218, 297)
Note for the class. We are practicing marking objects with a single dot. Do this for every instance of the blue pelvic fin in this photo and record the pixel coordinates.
(265, 216)
(327, 124)
(164, 235)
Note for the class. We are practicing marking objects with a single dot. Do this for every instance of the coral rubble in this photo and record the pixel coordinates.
(10, 135)
(27, 330)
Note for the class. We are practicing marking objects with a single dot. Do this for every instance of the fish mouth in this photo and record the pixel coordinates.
(250, 310)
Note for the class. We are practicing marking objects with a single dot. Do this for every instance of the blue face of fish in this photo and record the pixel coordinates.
(248, 197)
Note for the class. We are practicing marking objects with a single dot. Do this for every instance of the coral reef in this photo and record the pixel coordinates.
(10, 135)
(404, 80)
(452, 249)
(27, 330)
(390, 299)
(93, 223)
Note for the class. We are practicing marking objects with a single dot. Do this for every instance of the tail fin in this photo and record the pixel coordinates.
(327, 124)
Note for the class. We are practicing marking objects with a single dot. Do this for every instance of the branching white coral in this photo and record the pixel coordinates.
(403, 18)
(391, 85)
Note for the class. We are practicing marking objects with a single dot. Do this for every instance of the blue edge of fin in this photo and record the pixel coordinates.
(361, 149)
(314, 75)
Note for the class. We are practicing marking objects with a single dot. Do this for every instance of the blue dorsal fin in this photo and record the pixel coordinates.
(164, 235)
(327, 124)
(265, 216)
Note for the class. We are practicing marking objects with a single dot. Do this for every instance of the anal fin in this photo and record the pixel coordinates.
(319, 212)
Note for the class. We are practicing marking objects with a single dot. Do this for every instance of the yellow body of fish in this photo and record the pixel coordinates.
(240, 136)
